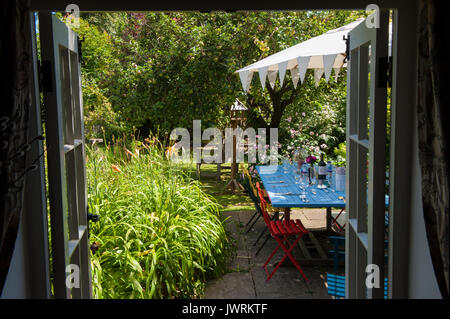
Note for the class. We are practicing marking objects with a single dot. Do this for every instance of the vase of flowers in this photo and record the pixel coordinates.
(299, 158)
(311, 160)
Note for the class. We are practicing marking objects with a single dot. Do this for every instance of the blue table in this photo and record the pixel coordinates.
(283, 192)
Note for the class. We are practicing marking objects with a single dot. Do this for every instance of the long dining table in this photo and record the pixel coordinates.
(283, 191)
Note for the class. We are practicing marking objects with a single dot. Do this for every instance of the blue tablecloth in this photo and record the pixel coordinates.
(283, 192)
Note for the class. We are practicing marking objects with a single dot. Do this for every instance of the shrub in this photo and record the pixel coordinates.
(159, 234)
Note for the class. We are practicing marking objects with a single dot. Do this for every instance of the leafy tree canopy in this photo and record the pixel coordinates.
(157, 71)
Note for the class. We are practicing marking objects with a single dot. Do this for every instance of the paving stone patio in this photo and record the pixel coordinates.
(247, 279)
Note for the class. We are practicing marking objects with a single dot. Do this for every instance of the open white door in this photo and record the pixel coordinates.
(366, 157)
(66, 159)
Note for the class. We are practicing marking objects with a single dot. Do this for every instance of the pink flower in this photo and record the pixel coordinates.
(311, 159)
(311, 133)
(303, 114)
(323, 146)
(289, 119)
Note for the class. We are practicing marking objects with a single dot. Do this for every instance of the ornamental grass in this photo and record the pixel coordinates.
(159, 234)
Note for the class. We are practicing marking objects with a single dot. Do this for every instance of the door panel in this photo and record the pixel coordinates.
(366, 157)
(66, 160)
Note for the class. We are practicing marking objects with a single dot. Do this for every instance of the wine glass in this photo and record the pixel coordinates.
(297, 175)
(286, 165)
(312, 174)
(303, 184)
(299, 157)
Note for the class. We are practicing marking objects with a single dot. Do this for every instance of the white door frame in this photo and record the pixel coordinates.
(366, 100)
(66, 160)
(403, 104)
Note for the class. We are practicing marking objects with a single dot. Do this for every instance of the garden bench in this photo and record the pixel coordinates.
(220, 166)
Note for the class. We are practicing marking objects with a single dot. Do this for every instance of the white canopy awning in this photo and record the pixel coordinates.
(322, 53)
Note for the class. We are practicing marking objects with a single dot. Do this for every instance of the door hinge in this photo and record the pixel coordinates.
(385, 72)
(45, 76)
(347, 48)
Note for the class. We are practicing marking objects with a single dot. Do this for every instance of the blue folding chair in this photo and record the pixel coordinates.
(338, 251)
(252, 221)
(335, 282)
(336, 286)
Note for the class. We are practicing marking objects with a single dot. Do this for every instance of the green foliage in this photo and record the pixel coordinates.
(99, 63)
(316, 121)
(160, 235)
(160, 70)
(341, 155)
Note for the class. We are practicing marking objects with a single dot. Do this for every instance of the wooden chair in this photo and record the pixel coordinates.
(281, 230)
(274, 213)
(258, 213)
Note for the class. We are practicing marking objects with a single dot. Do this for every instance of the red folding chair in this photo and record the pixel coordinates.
(280, 230)
(336, 223)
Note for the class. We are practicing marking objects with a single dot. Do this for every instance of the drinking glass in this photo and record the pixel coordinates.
(303, 185)
(297, 175)
(286, 165)
(312, 174)
(299, 157)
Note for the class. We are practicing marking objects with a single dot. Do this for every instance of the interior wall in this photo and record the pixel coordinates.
(422, 280)
(16, 285)
(28, 275)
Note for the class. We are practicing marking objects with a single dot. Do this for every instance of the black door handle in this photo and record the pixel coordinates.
(93, 218)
